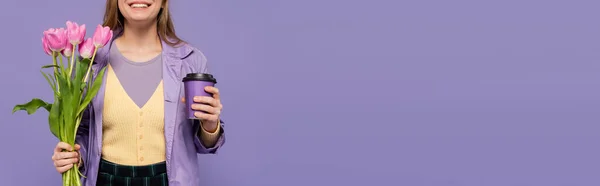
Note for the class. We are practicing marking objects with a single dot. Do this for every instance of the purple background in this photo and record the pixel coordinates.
(348, 92)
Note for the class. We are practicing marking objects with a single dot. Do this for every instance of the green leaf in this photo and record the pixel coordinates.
(81, 69)
(48, 107)
(63, 113)
(54, 119)
(50, 66)
(71, 116)
(62, 86)
(92, 91)
(32, 106)
(50, 81)
(69, 120)
(69, 104)
(85, 61)
(63, 71)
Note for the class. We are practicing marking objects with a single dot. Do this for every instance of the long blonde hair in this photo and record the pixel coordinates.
(166, 31)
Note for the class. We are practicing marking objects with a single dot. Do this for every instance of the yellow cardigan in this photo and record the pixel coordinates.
(134, 135)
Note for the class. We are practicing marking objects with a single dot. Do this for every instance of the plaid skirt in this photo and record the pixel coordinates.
(112, 174)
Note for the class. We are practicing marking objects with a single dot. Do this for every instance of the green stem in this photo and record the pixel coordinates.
(62, 66)
(76, 177)
(63, 70)
(54, 54)
(78, 121)
(68, 178)
(72, 62)
(71, 178)
(73, 174)
(64, 178)
(87, 74)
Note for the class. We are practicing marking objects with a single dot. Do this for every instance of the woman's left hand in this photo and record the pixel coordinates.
(208, 109)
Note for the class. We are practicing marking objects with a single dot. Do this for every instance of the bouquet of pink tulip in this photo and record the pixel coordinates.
(71, 83)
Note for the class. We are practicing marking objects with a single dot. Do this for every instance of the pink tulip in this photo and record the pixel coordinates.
(68, 51)
(102, 36)
(86, 49)
(46, 47)
(75, 33)
(56, 38)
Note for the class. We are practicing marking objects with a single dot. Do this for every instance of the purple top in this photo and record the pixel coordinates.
(139, 79)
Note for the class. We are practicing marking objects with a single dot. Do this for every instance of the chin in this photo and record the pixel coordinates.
(141, 11)
(140, 18)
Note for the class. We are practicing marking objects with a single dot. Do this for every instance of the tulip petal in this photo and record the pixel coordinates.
(86, 48)
(45, 46)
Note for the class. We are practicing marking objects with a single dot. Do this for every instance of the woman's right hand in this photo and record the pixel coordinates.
(64, 161)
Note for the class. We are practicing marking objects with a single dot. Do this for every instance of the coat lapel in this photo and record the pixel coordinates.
(98, 105)
(172, 87)
(98, 101)
(172, 75)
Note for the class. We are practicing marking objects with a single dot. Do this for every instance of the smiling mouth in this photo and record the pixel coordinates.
(139, 5)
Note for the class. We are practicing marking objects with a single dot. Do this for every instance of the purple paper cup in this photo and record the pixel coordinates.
(194, 84)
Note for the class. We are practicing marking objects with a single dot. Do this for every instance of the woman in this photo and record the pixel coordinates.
(135, 131)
